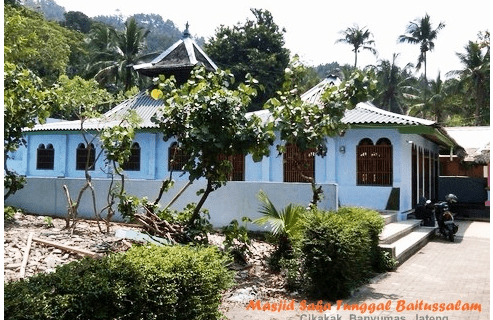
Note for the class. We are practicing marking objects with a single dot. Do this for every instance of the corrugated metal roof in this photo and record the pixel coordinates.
(364, 113)
(142, 103)
(314, 94)
(367, 113)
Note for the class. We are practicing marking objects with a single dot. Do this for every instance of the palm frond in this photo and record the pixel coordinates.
(281, 222)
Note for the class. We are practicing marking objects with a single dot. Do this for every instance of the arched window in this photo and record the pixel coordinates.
(133, 163)
(298, 166)
(374, 162)
(176, 158)
(85, 156)
(45, 158)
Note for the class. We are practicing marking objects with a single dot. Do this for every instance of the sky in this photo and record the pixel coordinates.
(313, 26)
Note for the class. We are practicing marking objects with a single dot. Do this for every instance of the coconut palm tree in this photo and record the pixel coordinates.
(358, 38)
(393, 85)
(421, 32)
(435, 106)
(114, 53)
(475, 77)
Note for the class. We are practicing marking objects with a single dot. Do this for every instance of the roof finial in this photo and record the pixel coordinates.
(186, 33)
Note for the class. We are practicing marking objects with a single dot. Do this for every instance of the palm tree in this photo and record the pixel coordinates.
(358, 38)
(284, 223)
(394, 84)
(475, 77)
(420, 32)
(114, 53)
(435, 105)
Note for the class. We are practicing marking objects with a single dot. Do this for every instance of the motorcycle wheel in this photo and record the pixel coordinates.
(451, 236)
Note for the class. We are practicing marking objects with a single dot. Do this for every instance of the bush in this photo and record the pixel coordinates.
(236, 240)
(9, 212)
(151, 282)
(336, 252)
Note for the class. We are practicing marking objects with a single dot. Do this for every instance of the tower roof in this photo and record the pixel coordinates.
(177, 60)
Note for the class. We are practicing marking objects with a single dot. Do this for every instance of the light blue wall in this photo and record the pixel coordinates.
(336, 168)
(59, 143)
(45, 196)
(73, 141)
(17, 161)
(350, 194)
(148, 159)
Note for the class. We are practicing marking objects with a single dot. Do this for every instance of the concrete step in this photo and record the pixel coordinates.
(395, 230)
(389, 216)
(407, 245)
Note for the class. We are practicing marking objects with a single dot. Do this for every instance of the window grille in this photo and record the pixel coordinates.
(238, 163)
(133, 163)
(45, 159)
(298, 166)
(82, 156)
(176, 158)
(374, 162)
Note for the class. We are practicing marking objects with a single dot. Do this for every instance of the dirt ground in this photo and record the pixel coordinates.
(254, 281)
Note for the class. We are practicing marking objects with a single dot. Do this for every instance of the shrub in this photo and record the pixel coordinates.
(179, 282)
(9, 212)
(285, 226)
(236, 239)
(336, 251)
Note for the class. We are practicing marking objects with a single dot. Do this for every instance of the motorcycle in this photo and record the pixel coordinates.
(445, 218)
(439, 213)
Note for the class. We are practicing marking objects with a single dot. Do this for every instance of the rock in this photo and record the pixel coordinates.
(50, 261)
(13, 265)
(243, 295)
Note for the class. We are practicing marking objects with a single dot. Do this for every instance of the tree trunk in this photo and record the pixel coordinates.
(196, 212)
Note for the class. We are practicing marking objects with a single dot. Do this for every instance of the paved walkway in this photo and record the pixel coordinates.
(441, 272)
(441, 275)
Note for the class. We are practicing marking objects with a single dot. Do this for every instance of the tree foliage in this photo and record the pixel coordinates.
(421, 32)
(308, 125)
(77, 21)
(207, 118)
(255, 47)
(394, 85)
(25, 104)
(113, 53)
(44, 47)
(73, 97)
(359, 38)
(434, 101)
(474, 78)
